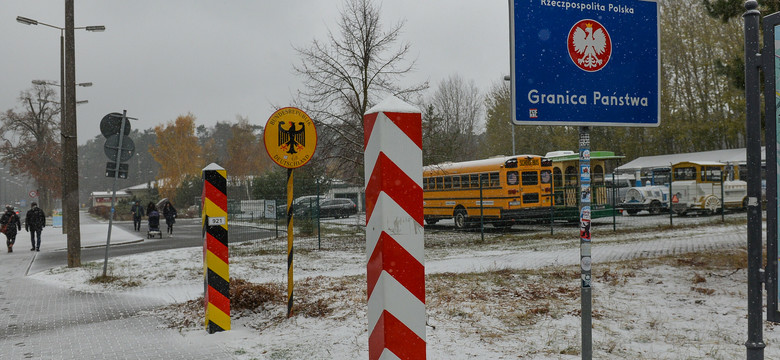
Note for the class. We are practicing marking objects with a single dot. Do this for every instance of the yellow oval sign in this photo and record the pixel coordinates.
(290, 137)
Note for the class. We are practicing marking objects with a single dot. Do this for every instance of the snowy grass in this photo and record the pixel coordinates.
(690, 306)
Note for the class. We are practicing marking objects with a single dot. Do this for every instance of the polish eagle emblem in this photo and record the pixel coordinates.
(590, 46)
(292, 139)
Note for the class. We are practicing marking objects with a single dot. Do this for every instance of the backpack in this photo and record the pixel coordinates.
(4, 220)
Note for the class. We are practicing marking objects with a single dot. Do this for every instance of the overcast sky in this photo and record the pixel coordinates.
(218, 59)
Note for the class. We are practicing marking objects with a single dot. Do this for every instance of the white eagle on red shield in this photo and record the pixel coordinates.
(590, 46)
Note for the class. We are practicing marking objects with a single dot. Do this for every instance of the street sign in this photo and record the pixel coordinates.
(112, 144)
(290, 137)
(585, 63)
(111, 170)
(33, 193)
(112, 123)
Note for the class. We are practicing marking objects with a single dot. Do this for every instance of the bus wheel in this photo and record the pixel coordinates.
(461, 218)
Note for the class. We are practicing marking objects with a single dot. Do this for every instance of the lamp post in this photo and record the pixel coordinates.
(509, 78)
(28, 21)
(68, 129)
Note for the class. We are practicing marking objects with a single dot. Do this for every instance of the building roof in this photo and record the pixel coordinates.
(730, 156)
(558, 156)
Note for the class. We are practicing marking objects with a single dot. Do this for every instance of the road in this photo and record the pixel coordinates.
(187, 233)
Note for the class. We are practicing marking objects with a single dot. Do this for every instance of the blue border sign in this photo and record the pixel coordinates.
(585, 63)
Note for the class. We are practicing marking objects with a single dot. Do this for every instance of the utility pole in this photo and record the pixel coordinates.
(70, 196)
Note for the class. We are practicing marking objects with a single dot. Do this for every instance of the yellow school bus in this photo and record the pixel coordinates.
(501, 190)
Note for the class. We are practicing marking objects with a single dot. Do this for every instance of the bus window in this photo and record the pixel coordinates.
(710, 173)
(685, 173)
(464, 181)
(512, 178)
(530, 178)
(557, 177)
(546, 176)
(474, 180)
(439, 183)
(448, 182)
(425, 184)
(494, 180)
(597, 175)
(456, 182)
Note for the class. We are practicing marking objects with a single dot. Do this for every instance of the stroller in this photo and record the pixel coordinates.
(154, 225)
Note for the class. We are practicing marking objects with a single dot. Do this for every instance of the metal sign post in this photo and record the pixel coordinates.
(122, 154)
(290, 140)
(585, 258)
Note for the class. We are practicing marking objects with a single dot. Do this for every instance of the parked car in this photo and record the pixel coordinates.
(338, 208)
(651, 198)
(335, 208)
(298, 203)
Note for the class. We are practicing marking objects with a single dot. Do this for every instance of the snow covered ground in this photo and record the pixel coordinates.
(689, 306)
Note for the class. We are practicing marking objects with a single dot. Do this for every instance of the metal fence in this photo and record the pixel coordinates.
(263, 222)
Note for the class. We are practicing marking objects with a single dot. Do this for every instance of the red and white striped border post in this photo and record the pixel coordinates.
(394, 231)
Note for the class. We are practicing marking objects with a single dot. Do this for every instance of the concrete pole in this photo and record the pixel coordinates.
(394, 231)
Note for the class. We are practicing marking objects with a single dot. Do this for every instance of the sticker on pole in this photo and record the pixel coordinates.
(290, 137)
(217, 221)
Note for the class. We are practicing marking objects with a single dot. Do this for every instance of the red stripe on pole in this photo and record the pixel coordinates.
(368, 126)
(216, 196)
(217, 248)
(220, 301)
(392, 334)
(387, 177)
(410, 124)
(391, 257)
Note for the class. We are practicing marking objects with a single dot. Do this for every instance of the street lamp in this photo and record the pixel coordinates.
(68, 130)
(28, 21)
(509, 78)
(54, 83)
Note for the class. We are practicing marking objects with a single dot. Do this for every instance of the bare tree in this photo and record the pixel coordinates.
(29, 145)
(458, 109)
(346, 74)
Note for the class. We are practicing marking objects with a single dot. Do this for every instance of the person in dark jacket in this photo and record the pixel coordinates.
(13, 223)
(153, 217)
(138, 213)
(34, 222)
(169, 213)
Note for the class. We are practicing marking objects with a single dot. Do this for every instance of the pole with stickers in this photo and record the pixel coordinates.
(585, 259)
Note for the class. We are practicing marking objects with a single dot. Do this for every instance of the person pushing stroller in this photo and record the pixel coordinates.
(153, 217)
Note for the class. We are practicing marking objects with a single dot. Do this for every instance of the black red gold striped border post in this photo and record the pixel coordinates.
(289, 242)
(216, 274)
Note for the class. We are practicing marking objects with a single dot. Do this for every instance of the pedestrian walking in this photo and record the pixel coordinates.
(169, 213)
(138, 213)
(9, 224)
(34, 222)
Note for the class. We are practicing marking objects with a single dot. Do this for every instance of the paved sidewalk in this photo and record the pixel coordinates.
(41, 321)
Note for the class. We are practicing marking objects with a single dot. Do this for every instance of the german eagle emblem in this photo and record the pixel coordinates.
(292, 139)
